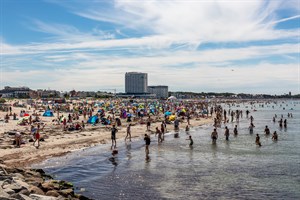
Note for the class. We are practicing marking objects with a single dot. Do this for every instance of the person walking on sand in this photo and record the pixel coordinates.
(214, 136)
(147, 143)
(37, 136)
(148, 123)
(114, 130)
(128, 131)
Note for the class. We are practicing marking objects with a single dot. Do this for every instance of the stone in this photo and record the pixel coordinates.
(18, 176)
(19, 197)
(67, 192)
(41, 197)
(5, 177)
(52, 193)
(9, 191)
(49, 185)
(36, 190)
(24, 197)
(23, 184)
(3, 195)
(25, 192)
(36, 181)
(65, 184)
(16, 187)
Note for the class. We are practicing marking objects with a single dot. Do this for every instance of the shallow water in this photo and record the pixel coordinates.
(236, 169)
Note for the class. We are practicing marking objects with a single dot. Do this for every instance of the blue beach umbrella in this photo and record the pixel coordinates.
(168, 113)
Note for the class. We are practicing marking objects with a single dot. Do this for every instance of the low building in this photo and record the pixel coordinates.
(136, 95)
(161, 91)
(48, 93)
(15, 92)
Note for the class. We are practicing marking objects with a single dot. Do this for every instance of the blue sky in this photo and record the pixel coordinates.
(248, 46)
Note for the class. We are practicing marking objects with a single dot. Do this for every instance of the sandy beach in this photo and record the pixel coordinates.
(58, 142)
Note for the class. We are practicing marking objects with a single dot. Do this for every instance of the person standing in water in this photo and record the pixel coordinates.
(114, 130)
(214, 136)
(257, 140)
(275, 136)
(128, 131)
(251, 128)
(191, 140)
(267, 130)
(226, 133)
(235, 130)
(147, 143)
(284, 123)
(158, 132)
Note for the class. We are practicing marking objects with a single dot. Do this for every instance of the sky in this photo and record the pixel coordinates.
(239, 46)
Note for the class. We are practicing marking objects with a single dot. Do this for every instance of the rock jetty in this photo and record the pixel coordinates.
(34, 184)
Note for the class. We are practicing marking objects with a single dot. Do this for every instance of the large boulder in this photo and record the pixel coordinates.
(14, 186)
(50, 185)
(36, 190)
(67, 192)
(52, 193)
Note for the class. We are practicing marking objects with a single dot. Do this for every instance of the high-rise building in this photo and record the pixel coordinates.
(161, 91)
(136, 82)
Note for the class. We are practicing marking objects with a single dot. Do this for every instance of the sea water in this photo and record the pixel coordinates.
(234, 169)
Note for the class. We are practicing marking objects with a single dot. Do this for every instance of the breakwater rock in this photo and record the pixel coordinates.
(34, 184)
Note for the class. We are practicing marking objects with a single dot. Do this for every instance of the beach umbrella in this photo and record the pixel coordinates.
(168, 113)
(172, 117)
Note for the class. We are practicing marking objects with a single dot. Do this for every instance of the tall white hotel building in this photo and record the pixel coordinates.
(136, 83)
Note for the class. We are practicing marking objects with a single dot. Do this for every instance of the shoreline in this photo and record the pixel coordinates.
(59, 143)
(20, 180)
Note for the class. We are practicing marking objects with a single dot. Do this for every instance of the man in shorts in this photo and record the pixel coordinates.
(114, 130)
(147, 142)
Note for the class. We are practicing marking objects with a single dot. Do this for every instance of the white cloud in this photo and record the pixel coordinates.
(196, 21)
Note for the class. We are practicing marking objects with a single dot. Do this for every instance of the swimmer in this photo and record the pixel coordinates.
(267, 130)
(275, 136)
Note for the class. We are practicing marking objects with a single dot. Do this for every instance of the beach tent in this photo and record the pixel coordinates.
(93, 120)
(48, 113)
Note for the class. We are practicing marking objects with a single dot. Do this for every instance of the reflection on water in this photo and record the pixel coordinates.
(234, 169)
